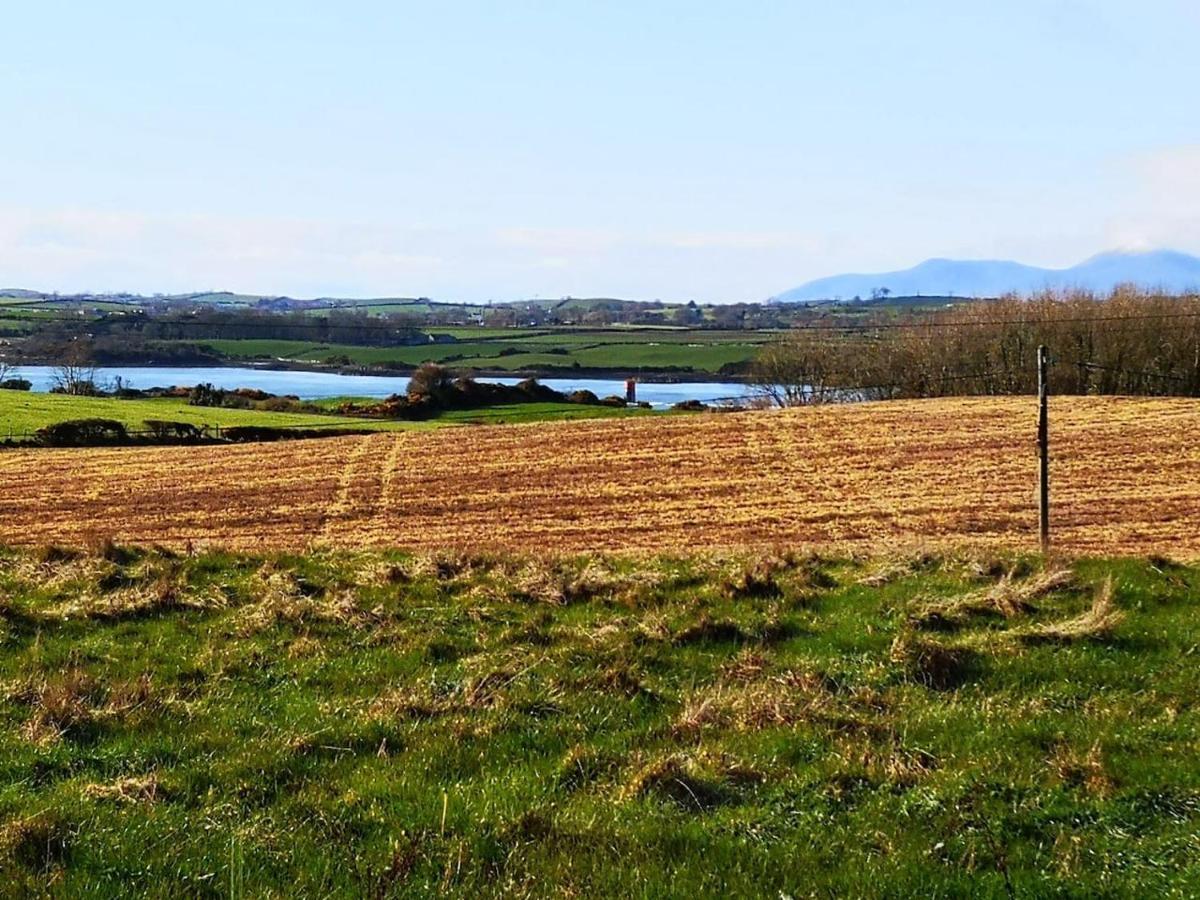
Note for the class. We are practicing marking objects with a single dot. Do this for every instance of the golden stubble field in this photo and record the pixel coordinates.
(1125, 479)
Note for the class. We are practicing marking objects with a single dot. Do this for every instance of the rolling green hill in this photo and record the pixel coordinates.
(514, 349)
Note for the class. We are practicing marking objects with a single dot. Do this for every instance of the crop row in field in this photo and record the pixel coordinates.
(1125, 474)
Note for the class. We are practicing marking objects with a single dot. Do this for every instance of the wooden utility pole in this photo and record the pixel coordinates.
(1043, 450)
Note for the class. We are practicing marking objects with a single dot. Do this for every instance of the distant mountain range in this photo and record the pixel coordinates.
(1158, 269)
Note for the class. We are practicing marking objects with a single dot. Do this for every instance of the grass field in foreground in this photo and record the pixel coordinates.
(23, 412)
(398, 726)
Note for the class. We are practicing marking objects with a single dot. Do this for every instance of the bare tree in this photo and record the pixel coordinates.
(1129, 342)
(794, 371)
(430, 380)
(76, 374)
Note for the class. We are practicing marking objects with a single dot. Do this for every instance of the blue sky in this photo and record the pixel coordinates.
(716, 151)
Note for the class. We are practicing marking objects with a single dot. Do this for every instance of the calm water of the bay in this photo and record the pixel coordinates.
(314, 385)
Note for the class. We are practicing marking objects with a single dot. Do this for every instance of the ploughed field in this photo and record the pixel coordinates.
(1125, 479)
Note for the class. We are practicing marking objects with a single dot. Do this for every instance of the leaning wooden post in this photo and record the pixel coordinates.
(1043, 451)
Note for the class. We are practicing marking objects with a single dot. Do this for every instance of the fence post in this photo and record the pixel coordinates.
(1043, 450)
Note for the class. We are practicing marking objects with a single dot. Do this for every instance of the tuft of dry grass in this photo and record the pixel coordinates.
(418, 702)
(931, 663)
(38, 842)
(747, 665)
(678, 778)
(899, 766)
(757, 578)
(898, 567)
(448, 566)
(710, 631)
(695, 782)
(53, 553)
(374, 572)
(96, 587)
(778, 701)
(1096, 624)
(133, 789)
(539, 582)
(1009, 597)
(579, 767)
(560, 582)
(652, 629)
(74, 705)
(622, 678)
(55, 570)
(485, 689)
(305, 646)
(160, 596)
(280, 597)
(126, 697)
(1082, 770)
(64, 706)
(700, 712)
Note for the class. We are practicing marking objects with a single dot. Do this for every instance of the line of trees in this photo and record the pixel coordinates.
(1128, 342)
(205, 323)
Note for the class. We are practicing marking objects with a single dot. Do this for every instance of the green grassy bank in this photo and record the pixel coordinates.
(515, 349)
(23, 412)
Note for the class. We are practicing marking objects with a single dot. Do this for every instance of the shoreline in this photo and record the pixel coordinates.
(655, 376)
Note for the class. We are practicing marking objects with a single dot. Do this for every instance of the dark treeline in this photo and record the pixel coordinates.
(434, 390)
(1129, 342)
(202, 324)
(113, 433)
